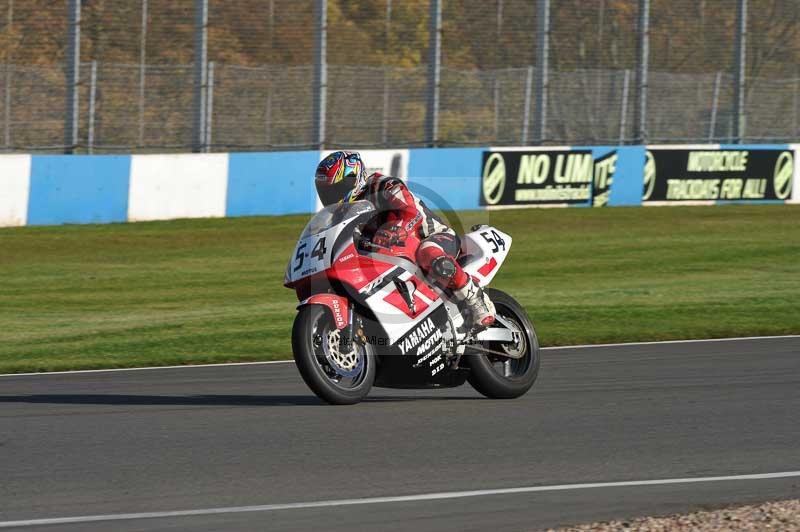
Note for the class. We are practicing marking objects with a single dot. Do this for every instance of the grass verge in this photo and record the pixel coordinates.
(200, 291)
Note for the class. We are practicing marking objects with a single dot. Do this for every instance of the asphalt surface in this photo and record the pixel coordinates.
(197, 438)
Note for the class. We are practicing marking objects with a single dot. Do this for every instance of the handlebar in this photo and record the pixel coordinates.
(366, 243)
(363, 242)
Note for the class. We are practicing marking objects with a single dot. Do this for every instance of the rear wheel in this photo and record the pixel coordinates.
(338, 374)
(502, 377)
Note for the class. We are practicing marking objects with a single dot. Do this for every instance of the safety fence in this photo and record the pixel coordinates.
(155, 76)
(58, 189)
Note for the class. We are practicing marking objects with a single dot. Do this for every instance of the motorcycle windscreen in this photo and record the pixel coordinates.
(389, 297)
(315, 249)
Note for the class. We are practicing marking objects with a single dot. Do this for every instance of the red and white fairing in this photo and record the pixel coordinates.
(387, 281)
(384, 298)
(484, 250)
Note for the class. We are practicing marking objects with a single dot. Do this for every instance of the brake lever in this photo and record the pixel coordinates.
(367, 243)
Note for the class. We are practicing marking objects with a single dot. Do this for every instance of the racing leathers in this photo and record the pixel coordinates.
(404, 214)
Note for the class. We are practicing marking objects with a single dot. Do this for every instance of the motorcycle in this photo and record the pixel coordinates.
(368, 317)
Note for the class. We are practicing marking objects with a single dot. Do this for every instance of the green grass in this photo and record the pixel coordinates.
(198, 291)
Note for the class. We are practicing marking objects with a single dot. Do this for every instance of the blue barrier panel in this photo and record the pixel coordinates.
(78, 189)
(628, 177)
(271, 183)
(446, 178)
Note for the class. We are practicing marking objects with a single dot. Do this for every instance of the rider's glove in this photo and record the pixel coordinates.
(390, 235)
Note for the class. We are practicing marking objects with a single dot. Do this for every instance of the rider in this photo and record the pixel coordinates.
(342, 177)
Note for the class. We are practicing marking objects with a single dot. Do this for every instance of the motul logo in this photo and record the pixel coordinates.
(427, 344)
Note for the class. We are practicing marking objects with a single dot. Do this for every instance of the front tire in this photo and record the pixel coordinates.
(499, 377)
(335, 377)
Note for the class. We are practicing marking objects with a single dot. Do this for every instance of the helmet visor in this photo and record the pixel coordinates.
(333, 193)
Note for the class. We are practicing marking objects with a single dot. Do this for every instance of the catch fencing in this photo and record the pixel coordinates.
(254, 75)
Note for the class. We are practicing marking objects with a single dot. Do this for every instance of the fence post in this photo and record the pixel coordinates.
(542, 70)
(7, 82)
(268, 111)
(434, 72)
(385, 122)
(712, 126)
(498, 33)
(72, 69)
(496, 96)
(268, 117)
(642, 56)
(200, 73)
(739, 116)
(796, 100)
(142, 59)
(320, 74)
(624, 111)
(209, 107)
(526, 113)
(7, 107)
(92, 101)
(270, 75)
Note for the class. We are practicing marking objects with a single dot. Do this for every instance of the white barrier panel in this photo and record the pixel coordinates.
(387, 162)
(796, 185)
(164, 187)
(15, 182)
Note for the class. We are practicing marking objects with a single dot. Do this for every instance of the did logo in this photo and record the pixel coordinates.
(784, 172)
(649, 175)
(494, 178)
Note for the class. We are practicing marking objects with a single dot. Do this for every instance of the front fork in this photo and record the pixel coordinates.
(347, 336)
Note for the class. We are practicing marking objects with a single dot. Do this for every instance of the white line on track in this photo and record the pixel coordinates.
(557, 348)
(667, 342)
(148, 368)
(386, 500)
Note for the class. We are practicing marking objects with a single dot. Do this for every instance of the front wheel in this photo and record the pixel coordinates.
(340, 375)
(501, 377)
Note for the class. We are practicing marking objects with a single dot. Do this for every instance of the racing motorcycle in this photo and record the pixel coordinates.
(367, 316)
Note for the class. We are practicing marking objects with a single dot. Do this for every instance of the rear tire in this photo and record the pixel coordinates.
(499, 377)
(336, 379)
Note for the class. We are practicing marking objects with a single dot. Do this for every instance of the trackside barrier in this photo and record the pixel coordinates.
(58, 189)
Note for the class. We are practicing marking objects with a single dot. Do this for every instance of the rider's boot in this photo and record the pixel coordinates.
(475, 299)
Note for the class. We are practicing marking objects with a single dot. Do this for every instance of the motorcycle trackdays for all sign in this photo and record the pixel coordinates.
(675, 175)
(667, 175)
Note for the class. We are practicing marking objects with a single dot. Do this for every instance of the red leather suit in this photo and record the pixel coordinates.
(403, 214)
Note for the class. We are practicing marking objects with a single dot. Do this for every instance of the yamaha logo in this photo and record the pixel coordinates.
(418, 335)
(784, 171)
(649, 175)
(494, 178)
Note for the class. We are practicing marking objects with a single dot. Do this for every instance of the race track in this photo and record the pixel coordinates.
(206, 438)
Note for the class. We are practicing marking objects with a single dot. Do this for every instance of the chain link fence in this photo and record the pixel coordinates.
(208, 75)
